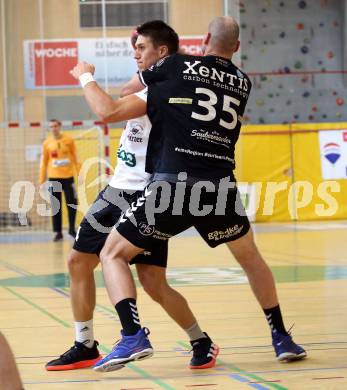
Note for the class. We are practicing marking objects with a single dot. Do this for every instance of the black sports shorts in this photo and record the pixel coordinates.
(166, 209)
(102, 216)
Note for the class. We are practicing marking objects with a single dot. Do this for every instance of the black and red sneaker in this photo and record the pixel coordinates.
(78, 356)
(205, 353)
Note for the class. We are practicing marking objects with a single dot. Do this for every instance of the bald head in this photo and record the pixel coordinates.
(224, 34)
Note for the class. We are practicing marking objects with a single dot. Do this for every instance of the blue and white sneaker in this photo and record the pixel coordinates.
(286, 349)
(127, 349)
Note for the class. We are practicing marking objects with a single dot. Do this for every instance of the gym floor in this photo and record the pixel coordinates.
(310, 266)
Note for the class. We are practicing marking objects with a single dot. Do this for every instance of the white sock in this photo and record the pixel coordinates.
(195, 333)
(85, 333)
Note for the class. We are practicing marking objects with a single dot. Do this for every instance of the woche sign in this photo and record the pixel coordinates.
(47, 63)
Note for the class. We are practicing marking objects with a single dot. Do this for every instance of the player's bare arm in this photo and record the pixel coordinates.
(101, 103)
(132, 86)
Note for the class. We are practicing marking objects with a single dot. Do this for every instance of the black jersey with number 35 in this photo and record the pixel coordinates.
(195, 105)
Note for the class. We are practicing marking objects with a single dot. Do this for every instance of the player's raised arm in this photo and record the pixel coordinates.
(129, 107)
(101, 103)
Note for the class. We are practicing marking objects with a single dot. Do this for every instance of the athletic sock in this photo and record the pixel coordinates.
(128, 315)
(194, 332)
(275, 320)
(85, 333)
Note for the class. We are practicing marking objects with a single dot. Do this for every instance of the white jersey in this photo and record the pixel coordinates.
(130, 171)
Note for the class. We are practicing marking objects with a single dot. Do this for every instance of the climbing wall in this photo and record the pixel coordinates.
(293, 52)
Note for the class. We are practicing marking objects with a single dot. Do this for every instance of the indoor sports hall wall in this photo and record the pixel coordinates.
(286, 162)
(295, 52)
(59, 20)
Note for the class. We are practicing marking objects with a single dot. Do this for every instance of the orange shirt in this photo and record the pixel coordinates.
(59, 158)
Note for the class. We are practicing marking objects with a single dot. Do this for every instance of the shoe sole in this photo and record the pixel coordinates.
(290, 357)
(210, 364)
(74, 366)
(117, 364)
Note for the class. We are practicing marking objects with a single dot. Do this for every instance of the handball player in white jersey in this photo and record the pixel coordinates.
(155, 40)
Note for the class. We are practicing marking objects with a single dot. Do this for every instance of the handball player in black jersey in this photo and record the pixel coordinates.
(195, 105)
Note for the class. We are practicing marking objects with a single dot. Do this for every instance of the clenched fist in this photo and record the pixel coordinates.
(82, 67)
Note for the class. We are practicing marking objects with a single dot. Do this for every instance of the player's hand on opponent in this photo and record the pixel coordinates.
(80, 68)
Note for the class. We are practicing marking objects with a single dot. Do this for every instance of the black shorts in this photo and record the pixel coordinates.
(218, 215)
(100, 219)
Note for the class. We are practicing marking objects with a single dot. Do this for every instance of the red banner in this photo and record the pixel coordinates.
(191, 45)
(47, 63)
(53, 61)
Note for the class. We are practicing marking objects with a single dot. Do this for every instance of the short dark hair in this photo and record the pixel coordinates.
(55, 120)
(160, 34)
